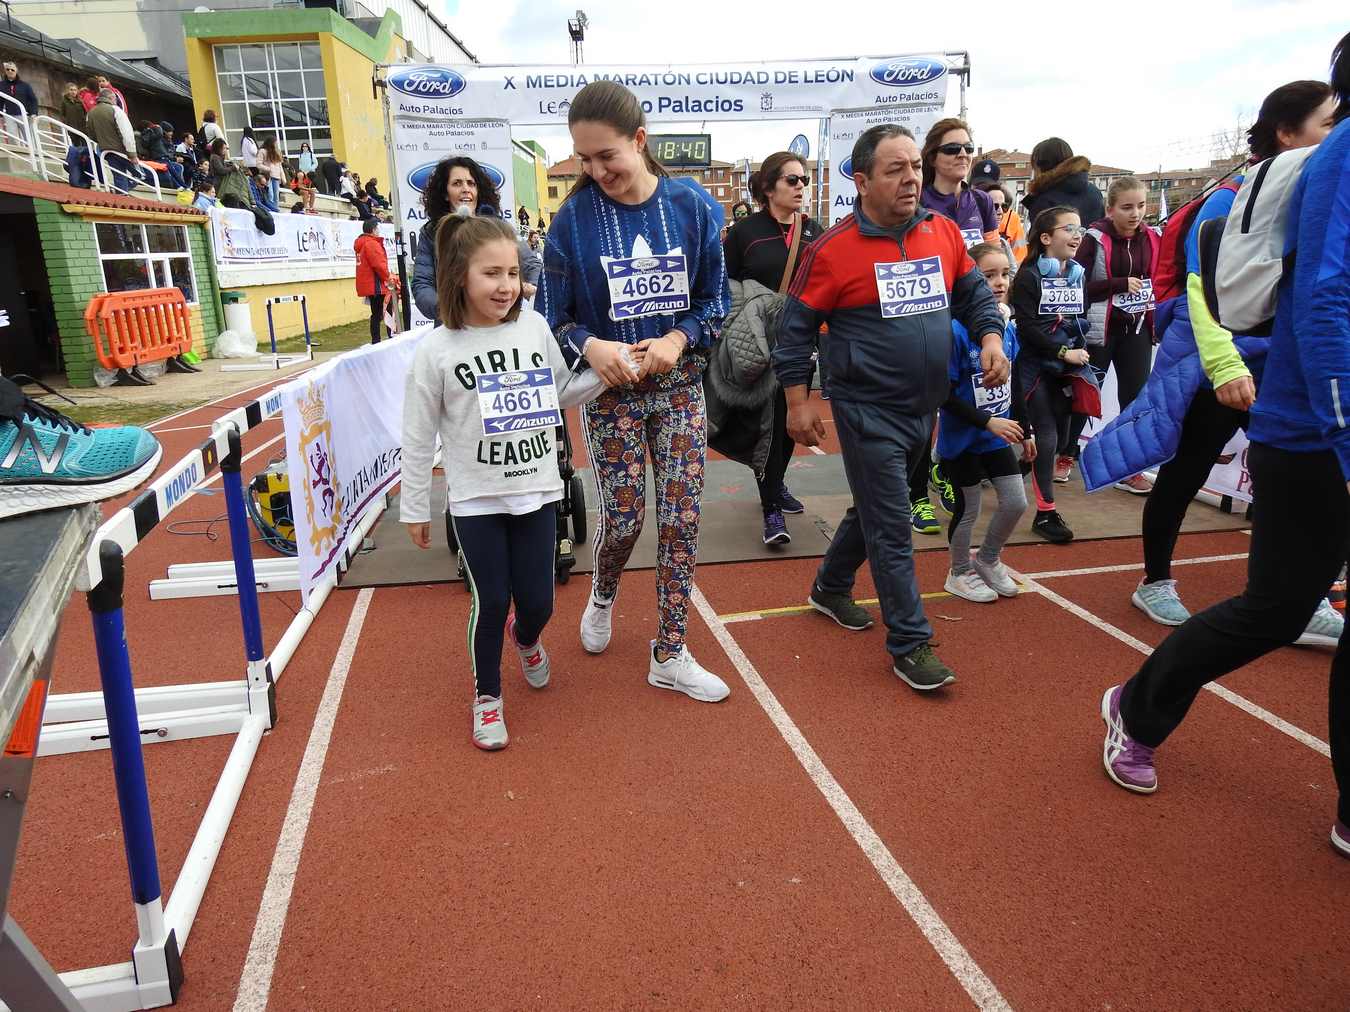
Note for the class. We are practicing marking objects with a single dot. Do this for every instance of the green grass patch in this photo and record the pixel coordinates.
(123, 413)
(343, 337)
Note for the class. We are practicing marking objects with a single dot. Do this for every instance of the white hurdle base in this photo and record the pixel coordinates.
(76, 721)
(112, 988)
(270, 363)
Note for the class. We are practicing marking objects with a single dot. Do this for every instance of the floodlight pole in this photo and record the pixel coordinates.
(576, 29)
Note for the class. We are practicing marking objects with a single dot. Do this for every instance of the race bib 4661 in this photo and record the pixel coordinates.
(518, 401)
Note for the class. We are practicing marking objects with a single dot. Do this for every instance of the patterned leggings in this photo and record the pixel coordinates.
(622, 427)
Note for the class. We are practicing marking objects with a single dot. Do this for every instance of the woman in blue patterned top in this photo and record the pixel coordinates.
(634, 287)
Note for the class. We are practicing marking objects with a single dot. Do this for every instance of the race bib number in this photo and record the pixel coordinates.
(911, 287)
(995, 400)
(972, 236)
(647, 286)
(1138, 302)
(517, 401)
(1059, 296)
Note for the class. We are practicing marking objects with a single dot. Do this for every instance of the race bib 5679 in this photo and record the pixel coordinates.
(911, 287)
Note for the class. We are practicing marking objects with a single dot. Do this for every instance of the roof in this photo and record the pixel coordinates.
(63, 194)
(567, 167)
(78, 55)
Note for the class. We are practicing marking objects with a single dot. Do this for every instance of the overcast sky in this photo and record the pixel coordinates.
(1134, 84)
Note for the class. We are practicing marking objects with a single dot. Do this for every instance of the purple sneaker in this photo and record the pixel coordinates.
(1127, 762)
(1340, 838)
(775, 528)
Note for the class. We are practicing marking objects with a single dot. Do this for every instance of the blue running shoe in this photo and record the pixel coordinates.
(1159, 601)
(1324, 628)
(48, 461)
(789, 503)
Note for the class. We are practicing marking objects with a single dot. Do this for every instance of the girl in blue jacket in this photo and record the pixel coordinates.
(978, 428)
(635, 287)
(1300, 464)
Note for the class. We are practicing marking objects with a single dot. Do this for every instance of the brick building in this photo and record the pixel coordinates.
(1015, 169)
(1182, 185)
(726, 181)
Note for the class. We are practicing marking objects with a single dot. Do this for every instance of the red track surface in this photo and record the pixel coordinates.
(634, 849)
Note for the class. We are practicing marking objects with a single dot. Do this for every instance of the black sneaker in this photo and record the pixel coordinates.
(938, 482)
(1051, 526)
(789, 503)
(920, 669)
(842, 608)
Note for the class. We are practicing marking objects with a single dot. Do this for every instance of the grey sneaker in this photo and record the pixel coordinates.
(1159, 601)
(840, 607)
(920, 669)
(1324, 628)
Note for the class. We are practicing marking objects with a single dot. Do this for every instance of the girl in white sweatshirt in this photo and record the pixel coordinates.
(492, 384)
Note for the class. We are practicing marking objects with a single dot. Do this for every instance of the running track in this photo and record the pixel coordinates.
(825, 838)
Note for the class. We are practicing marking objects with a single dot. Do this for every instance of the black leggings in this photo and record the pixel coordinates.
(1292, 563)
(506, 558)
(376, 317)
(1132, 356)
(1049, 415)
(780, 455)
(919, 470)
(1206, 429)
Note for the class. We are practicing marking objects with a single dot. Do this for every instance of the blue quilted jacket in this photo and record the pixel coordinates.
(1147, 433)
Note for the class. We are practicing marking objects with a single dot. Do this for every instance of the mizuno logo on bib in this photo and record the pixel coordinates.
(911, 287)
(1058, 295)
(647, 285)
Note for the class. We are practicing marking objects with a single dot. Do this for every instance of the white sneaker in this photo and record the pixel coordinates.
(489, 726)
(596, 625)
(1324, 628)
(997, 577)
(682, 673)
(970, 586)
(533, 659)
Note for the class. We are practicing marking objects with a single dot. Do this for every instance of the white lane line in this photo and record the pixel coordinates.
(980, 988)
(1127, 567)
(1227, 695)
(817, 451)
(154, 426)
(182, 428)
(255, 983)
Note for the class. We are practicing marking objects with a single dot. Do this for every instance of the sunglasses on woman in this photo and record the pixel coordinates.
(794, 179)
(955, 148)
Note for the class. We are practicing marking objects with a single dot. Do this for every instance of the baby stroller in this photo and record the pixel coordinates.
(571, 515)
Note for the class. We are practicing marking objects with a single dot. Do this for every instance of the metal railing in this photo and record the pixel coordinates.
(111, 174)
(16, 139)
(52, 139)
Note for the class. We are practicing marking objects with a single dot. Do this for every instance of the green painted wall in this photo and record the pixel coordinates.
(76, 276)
(270, 25)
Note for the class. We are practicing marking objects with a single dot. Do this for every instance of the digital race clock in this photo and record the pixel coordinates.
(681, 151)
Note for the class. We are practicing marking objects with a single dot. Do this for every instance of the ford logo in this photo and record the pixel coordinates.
(908, 268)
(905, 73)
(511, 379)
(645, 264)
(420, 176)
(494, 174)
(429, 82)
(846, 167)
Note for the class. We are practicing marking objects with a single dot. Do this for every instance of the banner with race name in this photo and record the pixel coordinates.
(421, 143)
(1229, 476)
(846, 127)
(299, 239)
(784, 89)
(344, 445)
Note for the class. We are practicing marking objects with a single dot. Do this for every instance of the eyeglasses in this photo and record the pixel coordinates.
(956, 149)
(1073, 230)
(794, 179)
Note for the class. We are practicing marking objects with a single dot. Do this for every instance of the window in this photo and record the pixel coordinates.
(276, 88)
(145, 256)
(552, 193)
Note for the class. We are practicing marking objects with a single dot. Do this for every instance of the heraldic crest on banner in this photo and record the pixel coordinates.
(323, 497)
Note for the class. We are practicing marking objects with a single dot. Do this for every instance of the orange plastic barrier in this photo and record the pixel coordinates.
(130, 328)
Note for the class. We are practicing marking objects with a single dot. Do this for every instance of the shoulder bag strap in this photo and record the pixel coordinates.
(798, 226)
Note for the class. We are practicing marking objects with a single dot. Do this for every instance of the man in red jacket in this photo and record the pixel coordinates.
(373, 280)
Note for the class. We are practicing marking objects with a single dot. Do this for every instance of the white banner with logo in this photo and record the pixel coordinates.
(299, 238)
(786, 89)
(1229, 476)
(420, 143)
(344, 445)
(846, 127)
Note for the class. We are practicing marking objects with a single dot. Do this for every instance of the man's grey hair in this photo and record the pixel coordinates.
(106, 95)
(865, 147)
